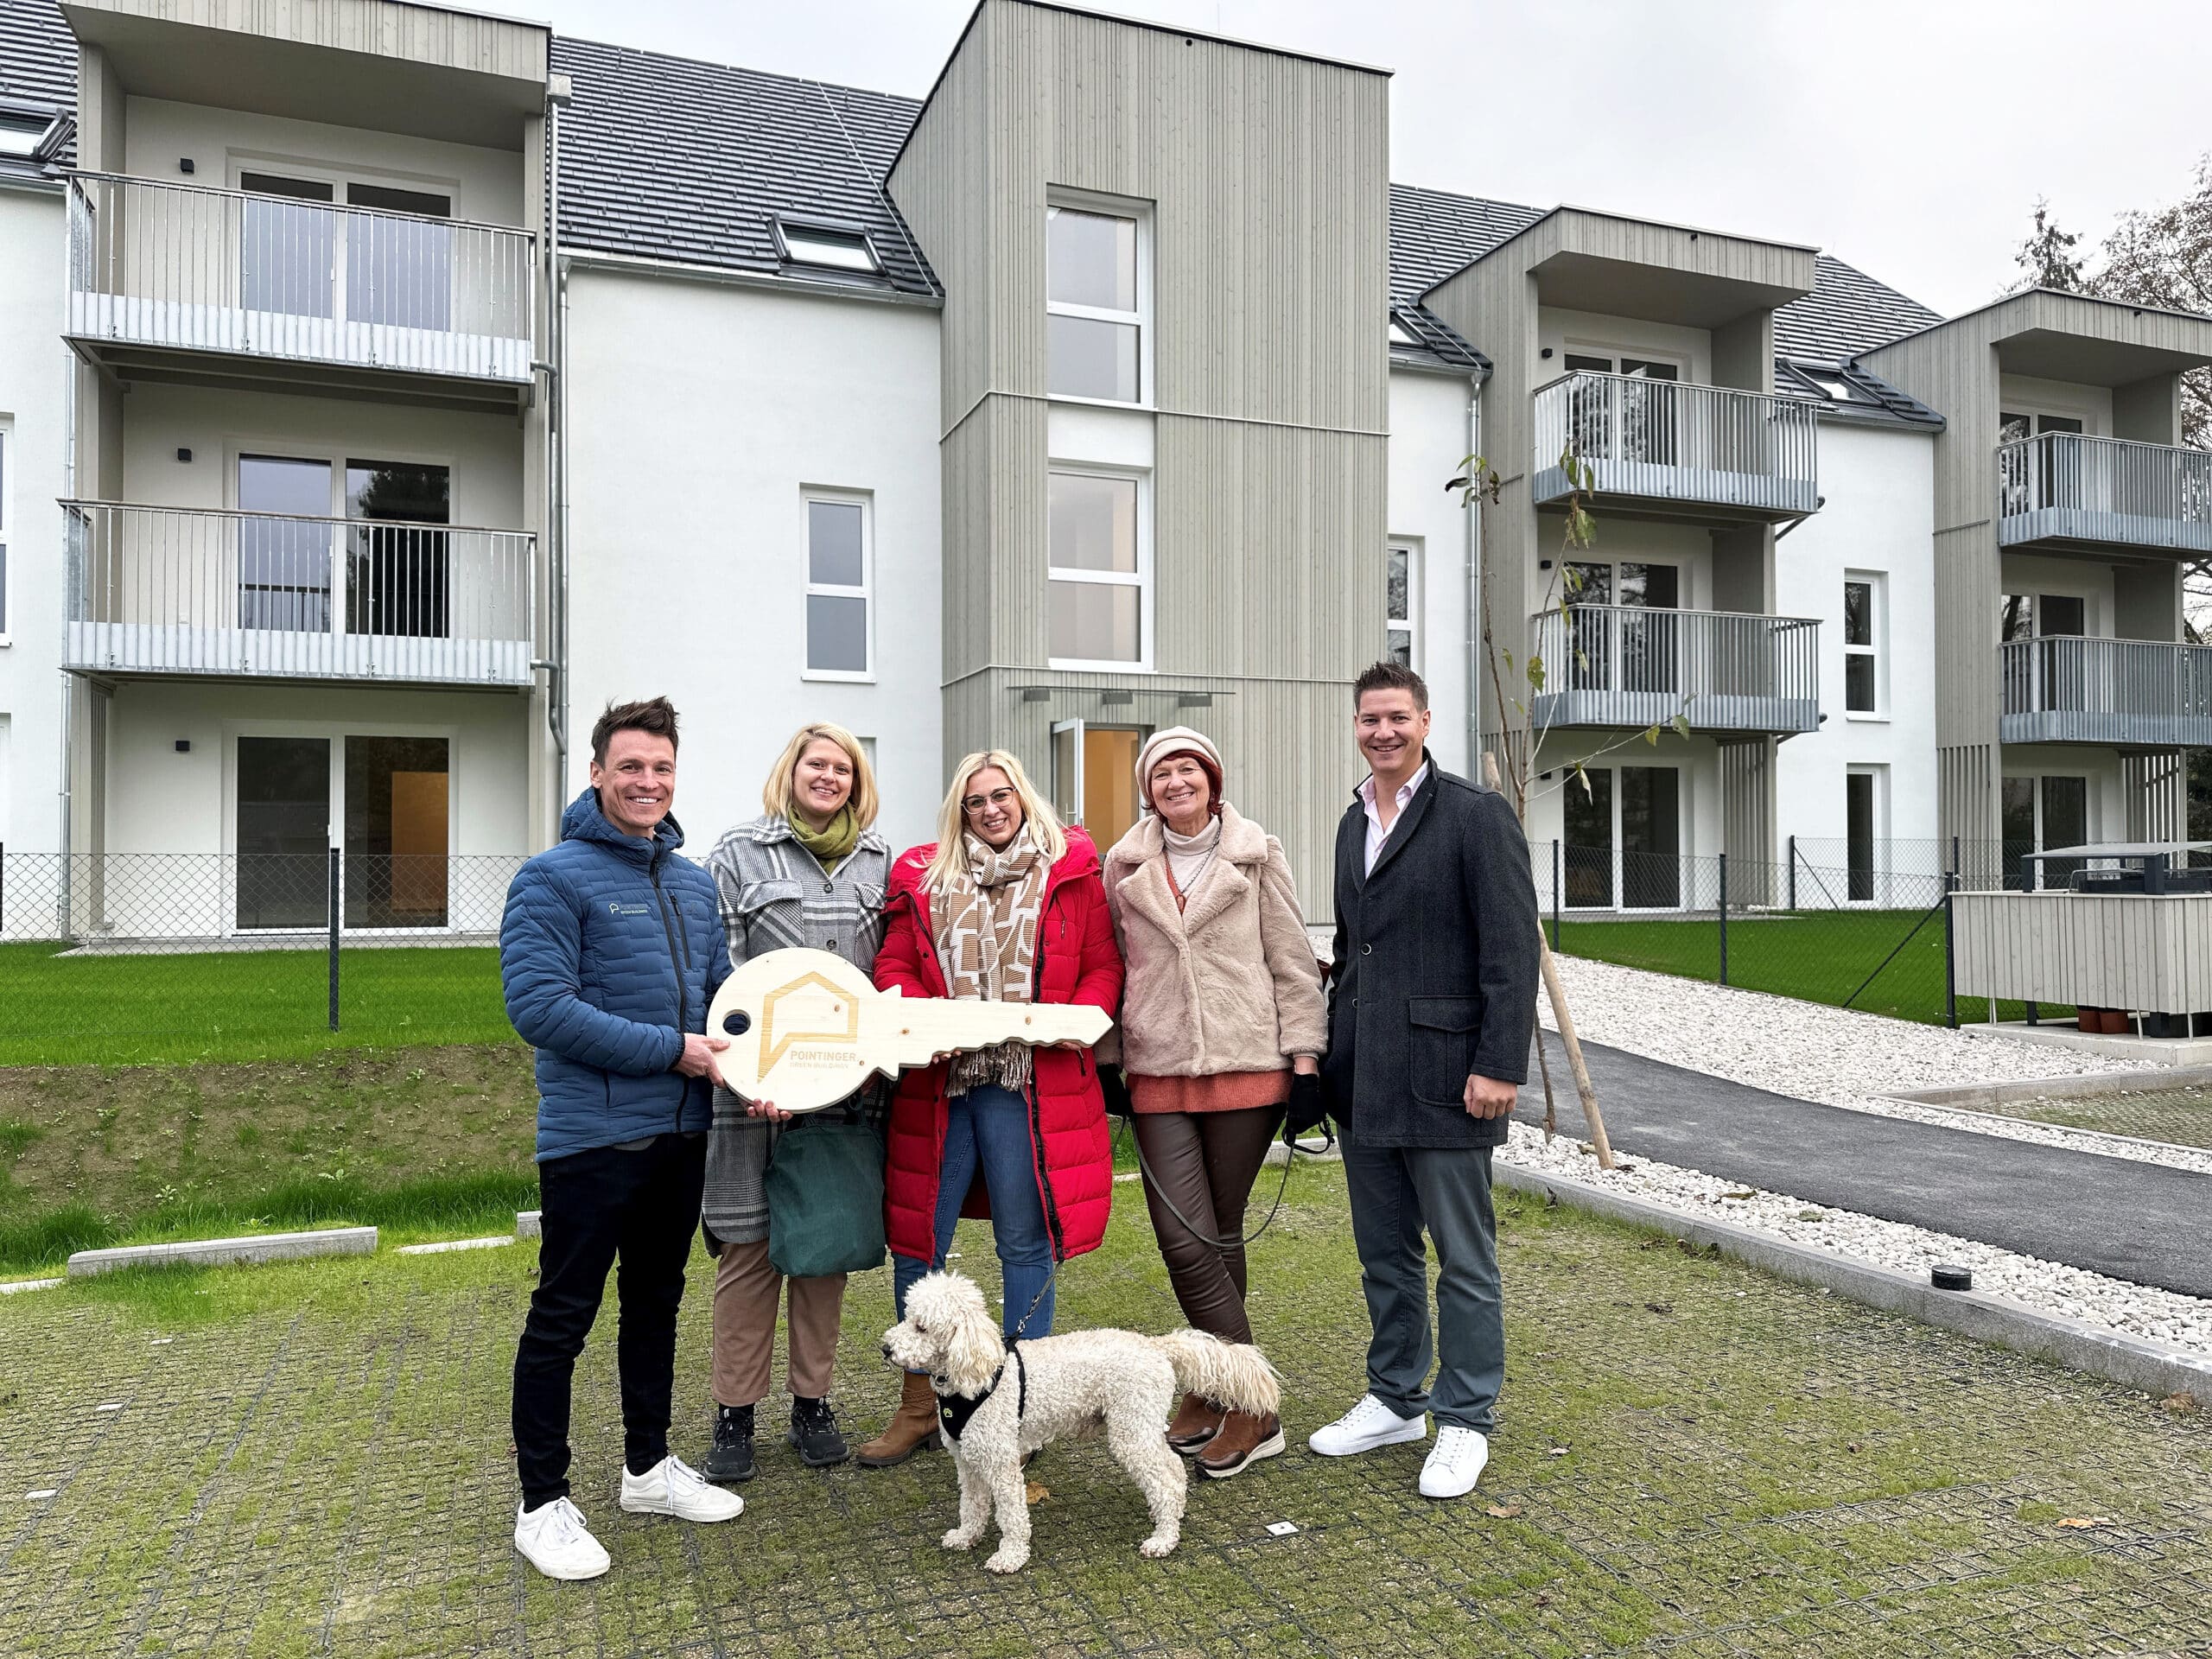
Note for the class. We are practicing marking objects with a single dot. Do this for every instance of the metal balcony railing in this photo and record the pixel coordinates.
(2070, 690)
(1663, 441)
(1629, 665)
(188, 268)
(171, 590)
(2067, 486)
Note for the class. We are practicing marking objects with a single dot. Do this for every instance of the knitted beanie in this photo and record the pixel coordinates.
(1178, 740)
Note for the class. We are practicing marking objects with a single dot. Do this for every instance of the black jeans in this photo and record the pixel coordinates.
(600, 1207)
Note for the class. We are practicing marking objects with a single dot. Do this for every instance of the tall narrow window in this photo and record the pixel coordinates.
(1094, 303)
(1402, 636)
(1858, 810)
(1095, 608)
(1862, 627)
(840, 575)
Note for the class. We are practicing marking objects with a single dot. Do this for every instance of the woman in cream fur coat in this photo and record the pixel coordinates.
(1222, 1026)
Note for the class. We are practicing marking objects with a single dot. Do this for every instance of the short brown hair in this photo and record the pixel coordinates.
(655, 716)
(1390, 676)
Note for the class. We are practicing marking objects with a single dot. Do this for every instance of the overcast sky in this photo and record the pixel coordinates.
(1910, 137)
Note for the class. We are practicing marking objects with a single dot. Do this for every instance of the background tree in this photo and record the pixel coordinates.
(2154, 256)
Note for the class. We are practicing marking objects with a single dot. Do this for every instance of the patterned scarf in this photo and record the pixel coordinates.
(986, 926)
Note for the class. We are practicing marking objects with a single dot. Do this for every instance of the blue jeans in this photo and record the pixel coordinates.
(989, 1126)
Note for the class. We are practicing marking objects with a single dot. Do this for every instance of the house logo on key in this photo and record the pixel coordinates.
(809, 1010)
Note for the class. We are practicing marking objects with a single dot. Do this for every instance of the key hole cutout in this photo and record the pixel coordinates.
(737, 1022)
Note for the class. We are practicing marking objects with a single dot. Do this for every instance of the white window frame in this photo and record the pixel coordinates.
(6, 530)
(1139, 213)
(1878, 629)
(786, 229)
(865, 592)
(1409, 625)
(1877, 776)
(335, 733)
(1140, 579)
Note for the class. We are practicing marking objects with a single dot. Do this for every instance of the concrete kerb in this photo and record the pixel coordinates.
(227, 1252)
(2093, 1086)
(2154, 1368)
(527, 1224)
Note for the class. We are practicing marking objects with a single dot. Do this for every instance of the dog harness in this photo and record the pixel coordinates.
(953, 1410)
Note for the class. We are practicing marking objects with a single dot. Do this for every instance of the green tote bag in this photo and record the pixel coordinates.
(825, 1195)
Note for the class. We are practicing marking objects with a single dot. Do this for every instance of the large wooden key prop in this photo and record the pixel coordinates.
(806, 1028)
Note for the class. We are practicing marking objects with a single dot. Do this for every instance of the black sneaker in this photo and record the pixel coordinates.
(732, 1458)
(814, 1432)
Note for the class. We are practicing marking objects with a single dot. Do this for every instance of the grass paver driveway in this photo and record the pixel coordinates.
(1693, 1459)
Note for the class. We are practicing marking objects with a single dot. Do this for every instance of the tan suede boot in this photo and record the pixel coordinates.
(913, 1427)
(1244, 1440)
(1197, 1420)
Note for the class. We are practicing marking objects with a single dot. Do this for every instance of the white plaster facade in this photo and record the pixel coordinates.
(702, 412)
(34, 366)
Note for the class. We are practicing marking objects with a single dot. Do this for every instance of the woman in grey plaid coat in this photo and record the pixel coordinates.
(810, 872)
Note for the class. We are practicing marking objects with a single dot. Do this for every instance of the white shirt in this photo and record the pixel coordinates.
(1376, 835)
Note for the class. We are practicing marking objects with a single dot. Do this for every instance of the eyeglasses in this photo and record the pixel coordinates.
(1002, 798)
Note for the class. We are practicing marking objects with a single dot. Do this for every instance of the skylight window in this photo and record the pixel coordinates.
(1835, 387)
(1399, 336)
(21, 133)
(814, 245)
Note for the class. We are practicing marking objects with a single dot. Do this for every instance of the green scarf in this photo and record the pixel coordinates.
(832, 844)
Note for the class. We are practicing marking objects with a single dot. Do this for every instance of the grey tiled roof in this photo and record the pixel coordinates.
(669, 158)
(38, 65)
(1846, 313)
(664, 157)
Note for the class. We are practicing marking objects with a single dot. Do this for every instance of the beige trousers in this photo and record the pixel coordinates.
(746, 1290)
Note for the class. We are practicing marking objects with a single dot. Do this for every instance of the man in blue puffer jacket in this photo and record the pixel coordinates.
(610, 951)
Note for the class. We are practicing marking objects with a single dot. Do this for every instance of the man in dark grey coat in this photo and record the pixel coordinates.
(1433, 999)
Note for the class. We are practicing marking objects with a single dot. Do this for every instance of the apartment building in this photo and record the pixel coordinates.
(384, 387)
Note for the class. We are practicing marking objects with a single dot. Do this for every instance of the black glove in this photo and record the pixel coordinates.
(1306, 1108)
(1117, 1090)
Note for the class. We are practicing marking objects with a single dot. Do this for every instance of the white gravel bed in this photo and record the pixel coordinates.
(2047, 1287)
(1838, 1057)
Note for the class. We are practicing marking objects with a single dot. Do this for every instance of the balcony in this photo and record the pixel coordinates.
(1631, 666)
(2137, 692)
(179, 283)
(1674, 450)
(177, 591)
(2066, 488)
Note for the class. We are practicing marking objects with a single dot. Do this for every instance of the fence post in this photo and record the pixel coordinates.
(1954, 859)
(336, 882)
(1950, 959)
(1793, 872)
(1724, 918)
(1555, 865)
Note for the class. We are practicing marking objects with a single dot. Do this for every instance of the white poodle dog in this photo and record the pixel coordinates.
(996, 1406)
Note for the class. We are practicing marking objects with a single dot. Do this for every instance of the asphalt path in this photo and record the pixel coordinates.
(2143, 1223)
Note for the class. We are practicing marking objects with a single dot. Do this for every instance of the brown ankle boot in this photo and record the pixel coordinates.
(1197, 1420)
(913, 1427)
(1244, 1440)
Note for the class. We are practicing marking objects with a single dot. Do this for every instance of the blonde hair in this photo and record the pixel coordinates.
(776, 793)
(1036, 817)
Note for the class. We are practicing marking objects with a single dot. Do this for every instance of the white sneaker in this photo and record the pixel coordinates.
(1366, 1426)
(674, 1487)
(1455, 1463)
(553, 1540)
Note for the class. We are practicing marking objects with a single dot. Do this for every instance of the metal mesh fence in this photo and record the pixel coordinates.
(1862, 925)
(157, 956)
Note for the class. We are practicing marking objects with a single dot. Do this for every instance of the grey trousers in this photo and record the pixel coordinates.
(1395, 1192)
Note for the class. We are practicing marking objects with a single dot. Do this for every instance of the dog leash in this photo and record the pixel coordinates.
(1155, 1190)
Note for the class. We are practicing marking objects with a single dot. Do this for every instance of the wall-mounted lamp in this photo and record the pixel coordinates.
(1546, 353)
(184, 164)
(184, 745)
(184, 456)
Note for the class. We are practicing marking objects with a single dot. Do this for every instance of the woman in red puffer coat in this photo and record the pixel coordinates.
(1005, 907)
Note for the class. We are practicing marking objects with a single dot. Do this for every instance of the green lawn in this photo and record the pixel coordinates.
(1819, 956)
(414, 1139)
(1692, 1459)
(250, 1005)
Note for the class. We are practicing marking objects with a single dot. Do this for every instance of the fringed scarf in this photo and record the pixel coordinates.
(986, 925)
